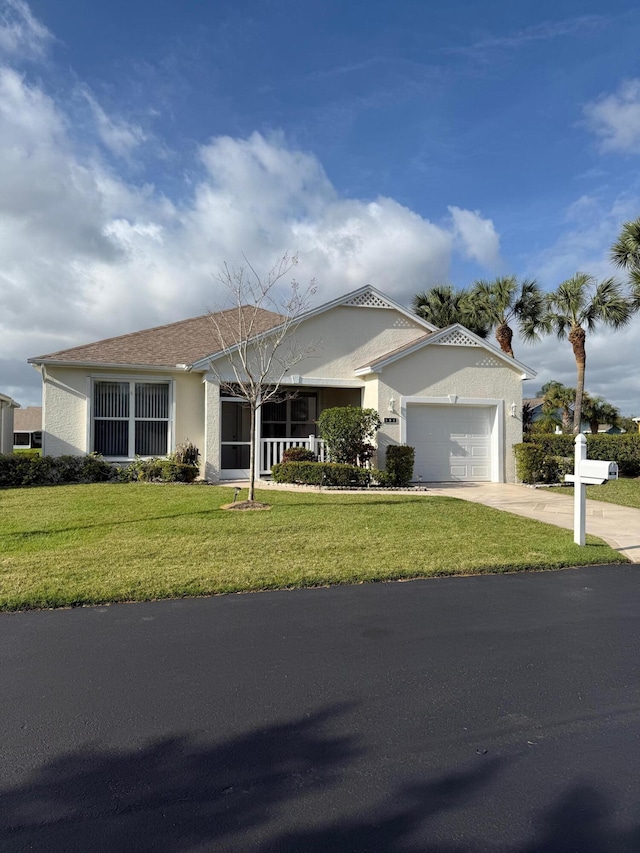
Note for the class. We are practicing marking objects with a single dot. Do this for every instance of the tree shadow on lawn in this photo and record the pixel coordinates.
(366, 501)
(252, 792)
(25, 534)
(214, 511)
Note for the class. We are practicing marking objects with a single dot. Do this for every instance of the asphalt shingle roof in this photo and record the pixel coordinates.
(28, 419)
(183, 342)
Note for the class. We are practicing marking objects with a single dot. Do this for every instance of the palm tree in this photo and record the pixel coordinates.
(527, 417)
(557, 397)
(596, 410)
(577, 307)
(444, 305)
(625, 253)
(503, 301)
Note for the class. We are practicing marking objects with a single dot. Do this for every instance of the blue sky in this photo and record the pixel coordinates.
(401, 144)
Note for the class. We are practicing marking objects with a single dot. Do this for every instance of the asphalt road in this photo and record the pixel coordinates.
(497, 713)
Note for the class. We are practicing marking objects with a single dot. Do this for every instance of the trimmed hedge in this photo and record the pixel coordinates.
(21, 470)
(159, 470)
(623, 449)
(298, 454)
(325, 474)
(535, 465)
(399, 464)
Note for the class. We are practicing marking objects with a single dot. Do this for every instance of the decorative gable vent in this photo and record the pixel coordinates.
(457, 338)
(368, 300)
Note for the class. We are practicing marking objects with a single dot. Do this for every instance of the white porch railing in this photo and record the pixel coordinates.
(271, 450)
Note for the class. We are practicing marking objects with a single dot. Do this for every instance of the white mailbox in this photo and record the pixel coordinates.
(588, 472)
(594, 471)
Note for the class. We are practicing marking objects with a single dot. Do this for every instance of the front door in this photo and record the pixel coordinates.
(236, 440)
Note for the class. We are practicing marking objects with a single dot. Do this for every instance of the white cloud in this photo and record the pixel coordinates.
(87, 254)
(477, 237)
(609, 372)
(591, 226)
(119, 136)
(615, 118)
(21, 34)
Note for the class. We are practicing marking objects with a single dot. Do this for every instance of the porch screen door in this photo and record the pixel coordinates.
(235, 440)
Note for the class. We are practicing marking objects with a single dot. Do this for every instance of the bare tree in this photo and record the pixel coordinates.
(257, 327)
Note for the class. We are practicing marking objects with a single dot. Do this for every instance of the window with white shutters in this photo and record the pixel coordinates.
(131, 418)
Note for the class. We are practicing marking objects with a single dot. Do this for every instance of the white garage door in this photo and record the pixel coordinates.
(451, 442)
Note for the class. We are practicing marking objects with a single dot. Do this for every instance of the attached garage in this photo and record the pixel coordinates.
(454, 442)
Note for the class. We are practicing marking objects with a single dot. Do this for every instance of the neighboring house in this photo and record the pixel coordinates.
(450, 394)
(7, 411)
(535, 407)
(607, 429)
(27, 428)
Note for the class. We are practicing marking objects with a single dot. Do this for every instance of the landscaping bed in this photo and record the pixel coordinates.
(98, 543)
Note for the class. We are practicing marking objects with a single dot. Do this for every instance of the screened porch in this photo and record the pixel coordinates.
(282, 424)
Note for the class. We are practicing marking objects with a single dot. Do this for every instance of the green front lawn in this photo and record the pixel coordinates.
(625, 492)
(71, 545)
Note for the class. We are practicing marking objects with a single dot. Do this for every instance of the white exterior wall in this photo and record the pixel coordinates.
(65, 409)
(6, 426)
(189, 410)
(211, 453)
(346, 338)
(440, 371)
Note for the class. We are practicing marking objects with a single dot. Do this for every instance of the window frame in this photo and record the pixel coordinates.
(132, 380)
(289, 423)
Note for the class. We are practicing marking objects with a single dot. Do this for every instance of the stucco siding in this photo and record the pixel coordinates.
(189, 407)
(345, 338)
(64, 412)
(440, 371)
(66, 407)
(211, 450)
(6, 427)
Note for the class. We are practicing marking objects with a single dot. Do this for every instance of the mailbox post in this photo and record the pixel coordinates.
(586, 472)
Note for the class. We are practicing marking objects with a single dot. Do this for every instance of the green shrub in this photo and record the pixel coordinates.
(321, 474)
(177, 472)
(380, 478)
(399, 464)
(533, 464)
(298, 454)
(329, 474)
(186, 453)
(22, 470)
(29, 452)
(159, 470)
(623, 449)
(348, 431)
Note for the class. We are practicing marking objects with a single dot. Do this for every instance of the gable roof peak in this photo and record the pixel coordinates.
(368, 297)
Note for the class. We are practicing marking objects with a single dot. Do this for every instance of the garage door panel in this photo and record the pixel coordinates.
(451, 443)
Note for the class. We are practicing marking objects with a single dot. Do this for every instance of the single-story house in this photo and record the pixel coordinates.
(453, 396)
(535, 405)
(27, 428)
(8, 407)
